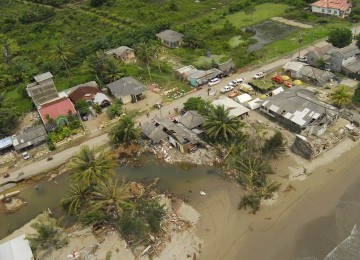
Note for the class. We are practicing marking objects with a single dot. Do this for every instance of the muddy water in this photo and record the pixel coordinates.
(183, 181)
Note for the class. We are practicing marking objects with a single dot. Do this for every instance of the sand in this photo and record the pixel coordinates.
(270, 234)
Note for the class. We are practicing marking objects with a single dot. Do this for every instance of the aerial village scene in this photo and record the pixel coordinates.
(193, 129)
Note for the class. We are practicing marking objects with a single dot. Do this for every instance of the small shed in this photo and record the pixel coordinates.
(101, 100)
(170, 38)
(5, 144)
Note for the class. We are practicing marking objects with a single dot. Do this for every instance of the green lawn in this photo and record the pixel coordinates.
(262, 13)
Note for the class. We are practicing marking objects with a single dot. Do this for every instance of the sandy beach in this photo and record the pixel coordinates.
(282, 231)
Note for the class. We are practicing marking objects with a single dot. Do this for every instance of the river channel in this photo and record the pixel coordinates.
(184, 181)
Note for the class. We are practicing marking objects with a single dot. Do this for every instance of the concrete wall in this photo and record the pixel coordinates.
(126, 99)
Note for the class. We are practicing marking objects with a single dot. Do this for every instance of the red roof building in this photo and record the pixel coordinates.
(56, 108)
(83, 92)
(339, 8)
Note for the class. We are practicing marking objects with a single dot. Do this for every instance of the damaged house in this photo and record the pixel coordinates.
(299, 110)
(162, 129)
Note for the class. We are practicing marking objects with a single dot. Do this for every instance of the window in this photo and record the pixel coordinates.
(329, 11)
(323, 10)
(335, 12)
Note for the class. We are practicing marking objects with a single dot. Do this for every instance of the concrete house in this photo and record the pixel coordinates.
(191, 119)
(127, 89)
(320, 55)
(339, 8)
(201, 77)
(43, 89)
(162, 129)
(170, 38)
(342, 57)
(124, 53)
(29, 137)
(227, 67)
(299, 110)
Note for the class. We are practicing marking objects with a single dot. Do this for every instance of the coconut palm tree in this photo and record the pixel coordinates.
(219, 125)
(76, 199)
(62, 53)
(341, 95)
(124, 131)
(146, 53)
(112, 70)
(92, 165)
(111, 197)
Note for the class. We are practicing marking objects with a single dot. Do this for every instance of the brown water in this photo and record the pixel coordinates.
(183, 181)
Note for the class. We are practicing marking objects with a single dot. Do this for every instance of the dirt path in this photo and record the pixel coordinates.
(291, 22)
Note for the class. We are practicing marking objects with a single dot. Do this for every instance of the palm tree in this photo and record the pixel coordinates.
(95, 64)
(92, 165)
(76, 200)
(341, 95)
(124, 131)
(111, 197)
(220, 126)
(146, 53)
(112, 70)
(62, 53)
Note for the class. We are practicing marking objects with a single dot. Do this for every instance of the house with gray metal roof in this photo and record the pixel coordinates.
(170, 38)
(162, 129)
(343, 56)
(191, 119)
(43, 89)
(127, 89)
(300, 110)
(5, 144)
(124, 53)
(29, 137)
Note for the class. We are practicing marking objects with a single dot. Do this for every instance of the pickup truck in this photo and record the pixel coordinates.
(259, 75)
(226, 89)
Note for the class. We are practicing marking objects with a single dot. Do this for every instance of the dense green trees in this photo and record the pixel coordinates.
(8, 121)
(356, 96)
(115, 109)
(340, 37)
(82, 107)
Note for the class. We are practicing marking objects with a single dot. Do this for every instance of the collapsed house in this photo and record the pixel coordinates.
(197, 77)
(299, 110)
(307, 73)
(164, 130)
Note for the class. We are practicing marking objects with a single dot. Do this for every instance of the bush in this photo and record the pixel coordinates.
(340, 37)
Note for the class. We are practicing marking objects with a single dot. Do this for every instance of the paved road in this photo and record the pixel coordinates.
(61, 157)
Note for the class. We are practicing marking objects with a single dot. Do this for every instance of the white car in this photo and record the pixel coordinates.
(212, 93)
(239, 80)
(259, 75)
(25, 155)
(226, 89)
(214, 81)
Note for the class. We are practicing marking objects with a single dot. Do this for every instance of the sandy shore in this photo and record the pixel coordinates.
(270, 234)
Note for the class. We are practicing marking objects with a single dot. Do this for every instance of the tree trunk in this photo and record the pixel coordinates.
(66, 67)
(148, 68)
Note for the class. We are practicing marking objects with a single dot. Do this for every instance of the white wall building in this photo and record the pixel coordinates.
(340, 8)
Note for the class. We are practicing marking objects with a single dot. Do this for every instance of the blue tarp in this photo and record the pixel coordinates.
(5, 143)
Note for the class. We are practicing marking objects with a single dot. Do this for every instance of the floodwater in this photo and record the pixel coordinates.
(184, 181)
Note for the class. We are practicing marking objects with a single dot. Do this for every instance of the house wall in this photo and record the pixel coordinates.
(329, 11)
(286, 122)
(128, 56)
(313, 59)
(336, 63)
(303, 148)
(126, 99)
(170, 44)
(317, 130)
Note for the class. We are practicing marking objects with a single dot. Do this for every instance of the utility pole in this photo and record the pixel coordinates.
(300, 39)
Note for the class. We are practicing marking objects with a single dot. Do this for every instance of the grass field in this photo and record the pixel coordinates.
(262, 13)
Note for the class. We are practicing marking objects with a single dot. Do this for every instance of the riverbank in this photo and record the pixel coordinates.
(270, 233)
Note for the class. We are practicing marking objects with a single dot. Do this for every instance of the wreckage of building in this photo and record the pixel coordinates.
(299, 110)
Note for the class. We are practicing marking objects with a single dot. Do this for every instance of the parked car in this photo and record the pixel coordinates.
(25, 155)
(226, 89)
(301, 59)
(214, 81)
(239, 80)
(233, 94)
(232, 83)
(259, 75)
(278, 79)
